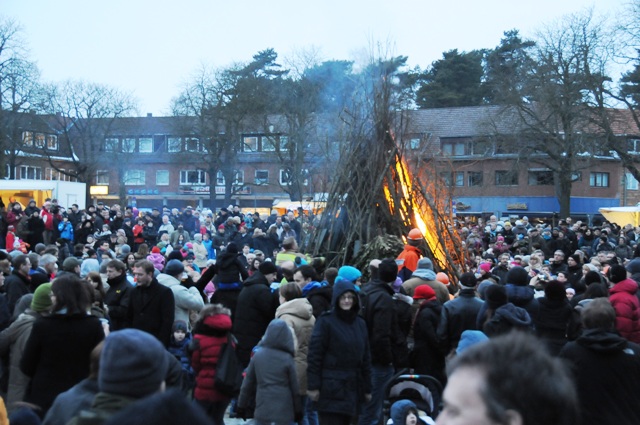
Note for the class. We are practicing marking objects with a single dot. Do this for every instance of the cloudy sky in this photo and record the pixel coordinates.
(150, 47)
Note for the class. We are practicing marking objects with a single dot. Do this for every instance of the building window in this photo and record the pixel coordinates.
(479, 147)
(250, 144)
(192, 144)
(110, 144)
(52, 142)
(238, 178)
(453, 178)
(28, 172)
(284, 143)
(102, 177)
(128, 145)
(134, 178)
(541, 178)
(262, 177)
(162, 178)
(414, 144)
(633, 146)
(145, 145)
(219, 179)
(599, 180)
(268, 143)
(40, 140)
(285, 177)
(453, 149)
(196, 177)
(506, 178)
(630, 182)
(27, 138)
(475, 178)
(174, 144)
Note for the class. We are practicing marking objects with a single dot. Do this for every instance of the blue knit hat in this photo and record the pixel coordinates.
(133, 363)
(350, 273)
(470, 338)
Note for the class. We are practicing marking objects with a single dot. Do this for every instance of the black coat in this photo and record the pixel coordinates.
(151, 309)
(15, 286)
(320, 299)
(230, 269)
(56, 355)
(458, 315)
(255, 310)
(553, 322)
(427, 357)
(339, 359)
(117, 301)
(606, 368)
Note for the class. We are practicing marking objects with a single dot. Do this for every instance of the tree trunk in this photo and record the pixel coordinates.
(563, 193)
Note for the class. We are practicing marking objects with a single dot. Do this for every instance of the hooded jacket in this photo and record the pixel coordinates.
(624, 300)
(605, 368)
(298, 315)
(208, 337)
(506, 318)
(339, 360)
(272, 377)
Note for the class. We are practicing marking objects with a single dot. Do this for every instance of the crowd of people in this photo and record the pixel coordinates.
(109, 311)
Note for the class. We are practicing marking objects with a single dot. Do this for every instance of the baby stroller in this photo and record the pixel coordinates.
(423, 390)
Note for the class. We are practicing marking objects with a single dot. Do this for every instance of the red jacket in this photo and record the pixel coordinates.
(624, 300)
(210, 335)
(411, 255)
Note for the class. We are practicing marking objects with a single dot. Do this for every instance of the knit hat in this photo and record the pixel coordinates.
(179, 325)
(268, 267)
(633, 266)
(468, 280)
(469, 339)
(517, 276)
(133, 363)
(125, 249)
(425, 263)
(495, 296)
(155, 250)
(42, 298)
(424, 292)
(576, 258)
(388, 270)
(617, 273)
(174, 268)
(350, 273)
(70, 264)
(482, 288)
(221, 227)
(486, 267)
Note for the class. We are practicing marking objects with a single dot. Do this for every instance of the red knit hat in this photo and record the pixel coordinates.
(155, 250)
(424, 292)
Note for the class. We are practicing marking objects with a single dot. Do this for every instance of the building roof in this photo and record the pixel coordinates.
(459, 122)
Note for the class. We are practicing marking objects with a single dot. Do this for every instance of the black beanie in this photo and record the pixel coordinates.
(388, 270)
(468, 280)
(517, 276)
(495, 296)
(617, 273)
(555, 291)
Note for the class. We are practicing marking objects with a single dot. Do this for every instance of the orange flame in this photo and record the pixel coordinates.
(417, 214)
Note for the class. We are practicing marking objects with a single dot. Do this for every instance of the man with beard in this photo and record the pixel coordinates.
(117, 297)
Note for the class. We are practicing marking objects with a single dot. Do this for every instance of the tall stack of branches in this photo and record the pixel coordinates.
(374, 201)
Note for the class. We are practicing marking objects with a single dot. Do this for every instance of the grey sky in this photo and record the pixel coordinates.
(150, 47)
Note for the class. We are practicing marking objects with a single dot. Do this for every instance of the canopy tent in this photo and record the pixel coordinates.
(622, 215)
(284, 205)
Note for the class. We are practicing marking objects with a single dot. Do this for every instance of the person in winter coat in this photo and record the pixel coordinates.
(117, 296)
(230, 273)
(339, 360)
(156, 258)
(200, 251)
(256, 308)
(625, 302)
(424, 274)
(519, 292)
(57, 353)
(318, 293)
(408, 258)
(271, 379)
(14, 339)
(555, 317)
(180, 340)
(209, 334)
(605, 368)
(426, 357)
(498, 316)
(405, 412)
(66, 228)
(297, 312)
(185, 299)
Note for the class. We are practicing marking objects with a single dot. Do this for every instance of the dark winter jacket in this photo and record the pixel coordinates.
(56, 356)
(208, 338)
(271, 378)
(15, 286)
(523, 296)
(553, 323)
(117, 300)
(339, 360)
(458, 315)
(624, 300)
(68, 404)
(319, 295)
(606, 369)
(152, 309)
(256, 308)
(506, 318)
(427, 357)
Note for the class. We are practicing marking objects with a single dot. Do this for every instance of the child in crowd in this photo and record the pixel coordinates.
(180, 339)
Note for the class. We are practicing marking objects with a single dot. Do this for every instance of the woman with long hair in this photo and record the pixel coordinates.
(56, 356)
